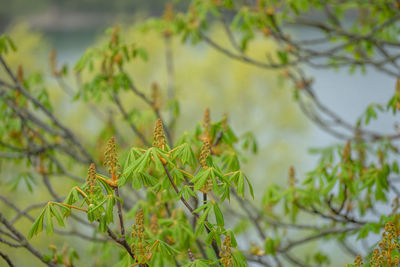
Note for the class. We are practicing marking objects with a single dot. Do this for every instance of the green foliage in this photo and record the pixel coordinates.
(190, 190)
(6, 44)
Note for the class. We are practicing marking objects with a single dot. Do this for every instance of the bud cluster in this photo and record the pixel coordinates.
(225, 253)
(358, 261)
(139, 247)
(111, 159)
(91, 180)
(154, 227)
(159, 136)
(205, 152)
(387, 246)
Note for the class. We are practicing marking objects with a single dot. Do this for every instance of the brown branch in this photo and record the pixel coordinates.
(6, 258)
(126, 118)
(324, 233)
(214, 243)
(67, 133)
(24, 242)
(120, 216)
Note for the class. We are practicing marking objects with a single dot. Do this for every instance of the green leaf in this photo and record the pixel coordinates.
(202, 207)
(58, 215)
(109, 209)
(138, 165)
(104, 184)
(270, 246)
(201, 178)
(203, 217)
(218, 215)
(240, 185)
(233, 238)
(283, 57)
(37, 225)
(239, 259)
(250, 186)
(49, 221)
(329, 187)
(72, 197)
(184, 154)
(165, 249)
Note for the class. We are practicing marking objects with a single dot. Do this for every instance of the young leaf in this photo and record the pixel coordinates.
(109, 209)
(58, 215)
(49, 221)
(218, 215)
(37, 225)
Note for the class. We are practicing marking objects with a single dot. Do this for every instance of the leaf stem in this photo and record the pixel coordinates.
(214, 243)
(68, 206)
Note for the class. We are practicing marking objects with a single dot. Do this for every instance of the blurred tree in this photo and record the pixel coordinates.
(352, 192)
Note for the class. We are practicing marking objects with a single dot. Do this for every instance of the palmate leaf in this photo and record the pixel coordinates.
(230, 161)
(158, 155)
(27, 178)
(165, 249)
(238, 178)
(72, 197)
(46, 215)
(156, 159)
(6, 43)
(200, 179)
(95, 211)
(186, 138)
(225, 191)
(57, 214)
(109, 209)
(207, 207)
(103, 183)
(143, 179)
(273, 195)
(37, 225)
(49, 221)
(186, 192)
(249, 142)
(136, 166)
(219, 217)
(184, 154)
(239, 259)
(213, 235)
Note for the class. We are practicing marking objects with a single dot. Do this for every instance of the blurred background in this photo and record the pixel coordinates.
(255, 100)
